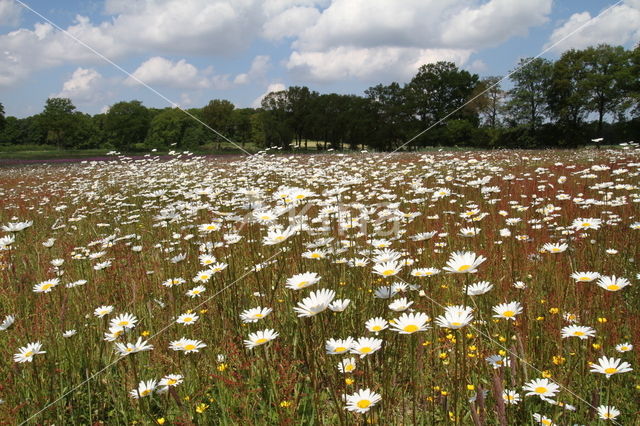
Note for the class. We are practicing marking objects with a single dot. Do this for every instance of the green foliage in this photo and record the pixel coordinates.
(527, 104)
(126, 124)
(2, 118)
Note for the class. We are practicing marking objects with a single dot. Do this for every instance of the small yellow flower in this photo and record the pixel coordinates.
(470, 387)
(602, 320)
(558, 360)
(349, 381)
(473, 348)
(146, 333)
(443, 355)
(160, 421)
(285, 404)
(540, 318)
(502, 352)
(554, 311)
(444, 393)
(596, 345)
(502, 339)
(203, 311)
(542, 301)
(426, 343)
(222, 367)
(469, 335)
(201, 408)
(187, 398)
(546, 374)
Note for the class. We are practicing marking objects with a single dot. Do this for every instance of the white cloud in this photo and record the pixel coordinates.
(494, 22)
(206, 27)
(159, 71)
(273, 87)
(368, 63)
(10, 13)
(258, 70)
(291, 22)
(362, 39)
(618, 26)
(83, 87)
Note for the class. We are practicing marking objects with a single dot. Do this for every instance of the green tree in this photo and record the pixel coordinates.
(490, 100)
(440, 88)
(527, 99)
(275, 122)
(392, 116)
(607, 78)
(217, 114)
(167, 128)
(127, 124)
(2, 118)
(59, 121)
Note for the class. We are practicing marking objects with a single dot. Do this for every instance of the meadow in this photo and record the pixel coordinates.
(466, 288)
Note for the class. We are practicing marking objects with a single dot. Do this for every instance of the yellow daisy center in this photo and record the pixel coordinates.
(302, 284)
(555, 250)
(388, 272)
(46, 286)
(364, 403)
(508, 314)
(172, 381)
(378, 328)
(546, 422)
(540, 389)
(613, 287)
(578, 333)
(464, 268)
(349, 367)
(279, 238)
(261, 341)
(187, 319)
(28, 354)
(123, 323)
(265, 217)
(145, 392)
(365, 350)
(340, 349)
(259, 315)
(315, 255)
(189, 347)
(411, 328)
(610, 370)
(456, 324)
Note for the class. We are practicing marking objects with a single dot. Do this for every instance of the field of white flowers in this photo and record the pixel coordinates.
(475, 288)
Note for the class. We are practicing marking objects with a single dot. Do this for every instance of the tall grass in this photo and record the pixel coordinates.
(143, 214)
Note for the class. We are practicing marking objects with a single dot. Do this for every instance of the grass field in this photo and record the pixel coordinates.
(420, 288)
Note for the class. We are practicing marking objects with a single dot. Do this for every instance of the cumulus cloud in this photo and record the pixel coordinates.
(290, 22)
(619, 25)
(368, 63)
(10, 12)
(361, 39)
(273, 87)
(382, 44)
(494, 22)
(159, 71)
(206, 27)
(84, 86)
(258, 70)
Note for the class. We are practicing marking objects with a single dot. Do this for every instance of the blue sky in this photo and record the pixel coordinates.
(192, 51)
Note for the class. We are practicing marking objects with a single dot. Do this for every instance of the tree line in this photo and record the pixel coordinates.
(589, 93)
